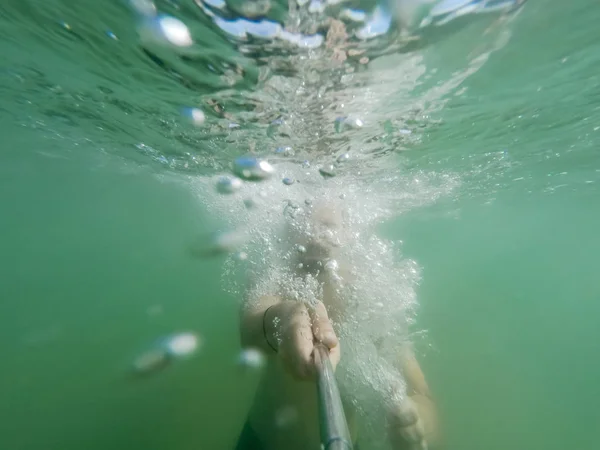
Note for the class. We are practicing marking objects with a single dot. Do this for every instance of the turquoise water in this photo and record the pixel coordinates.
(491, 130)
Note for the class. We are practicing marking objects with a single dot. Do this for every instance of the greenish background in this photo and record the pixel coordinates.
(93, 235)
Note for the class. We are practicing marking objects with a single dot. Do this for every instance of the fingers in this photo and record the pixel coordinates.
(297, 341)
(323, 332)
(321, 326)
(301, 327)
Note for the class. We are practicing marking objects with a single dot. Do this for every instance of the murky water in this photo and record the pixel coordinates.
(459, 139)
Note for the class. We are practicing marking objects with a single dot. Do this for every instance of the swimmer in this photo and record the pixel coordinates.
(286, 330)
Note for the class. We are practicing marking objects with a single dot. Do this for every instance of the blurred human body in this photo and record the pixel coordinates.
(284, 414)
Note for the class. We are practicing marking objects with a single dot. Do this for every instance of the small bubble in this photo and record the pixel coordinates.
(181, 344)
(228, 185)
(291, 209)
(143, 7)
(292, 204)
(288, 181)
(194, 115)
(343, 158)
(300, 266)
(305, 164)
(327, 171)
(308, 202)
(164, 30)
(251, 358)
(218, 243)
(301, 248)
(165, 351)
(284, 151)
(150, 361)
(342, 196)
(242, 256)
(345, 123)
(252, 169)
(331, 265)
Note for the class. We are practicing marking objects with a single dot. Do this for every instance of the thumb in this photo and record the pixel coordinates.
(322, 327)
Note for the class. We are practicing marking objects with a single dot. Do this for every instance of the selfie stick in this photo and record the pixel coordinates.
(332, 421)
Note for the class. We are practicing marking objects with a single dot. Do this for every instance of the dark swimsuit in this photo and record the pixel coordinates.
(249, 439)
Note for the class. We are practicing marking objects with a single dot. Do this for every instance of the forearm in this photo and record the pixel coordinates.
(255, 328)
(413, 375)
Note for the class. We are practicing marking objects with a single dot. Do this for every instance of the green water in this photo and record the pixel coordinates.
(93, 237)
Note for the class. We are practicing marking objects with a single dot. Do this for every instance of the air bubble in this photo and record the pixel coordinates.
(228, 185)
(284, 151)
(143, 7)
(194, 115)
(182, 344)
(252, 169)
(343, 158)
(219, 243)
(164, 30)
(327, 171)
(165, 351)
(346, 123)
(251, 358)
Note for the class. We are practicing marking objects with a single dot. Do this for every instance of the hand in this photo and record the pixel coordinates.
(406, 426)
(296, 327)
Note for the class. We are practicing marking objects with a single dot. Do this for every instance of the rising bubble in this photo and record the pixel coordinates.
(252, 169)
(251, 358)
(228, 185)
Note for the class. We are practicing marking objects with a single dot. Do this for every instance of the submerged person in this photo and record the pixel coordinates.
(284, 414)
